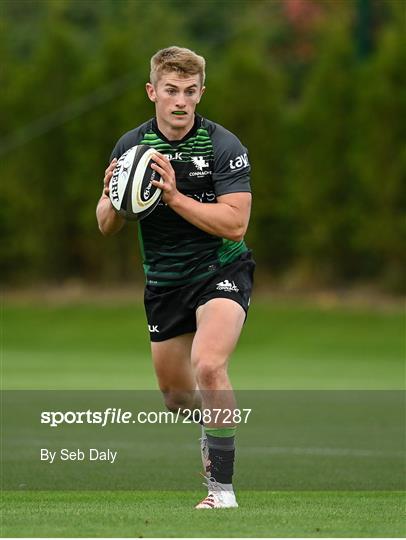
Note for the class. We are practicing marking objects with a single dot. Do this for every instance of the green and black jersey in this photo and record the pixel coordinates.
(209, 161)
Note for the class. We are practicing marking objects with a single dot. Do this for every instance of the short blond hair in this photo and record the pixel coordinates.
(178, 59)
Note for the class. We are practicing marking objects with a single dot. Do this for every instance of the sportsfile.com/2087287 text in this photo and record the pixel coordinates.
(113, 415)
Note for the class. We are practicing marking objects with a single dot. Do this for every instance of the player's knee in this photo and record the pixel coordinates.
(209, 375)
(175, 400)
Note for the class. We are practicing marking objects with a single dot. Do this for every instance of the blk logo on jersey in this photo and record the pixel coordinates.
(178, 156)
(240, 162)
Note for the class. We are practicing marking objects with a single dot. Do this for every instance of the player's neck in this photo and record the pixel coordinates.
(172, 133)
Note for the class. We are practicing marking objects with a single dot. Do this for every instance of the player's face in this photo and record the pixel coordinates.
(175, 99)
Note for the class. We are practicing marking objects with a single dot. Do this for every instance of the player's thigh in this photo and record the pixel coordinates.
(219, 325)
(171, 359)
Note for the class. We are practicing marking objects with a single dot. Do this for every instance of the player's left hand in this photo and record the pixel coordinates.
(163, 167)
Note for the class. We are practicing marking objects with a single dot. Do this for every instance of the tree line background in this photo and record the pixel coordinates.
(314, 89)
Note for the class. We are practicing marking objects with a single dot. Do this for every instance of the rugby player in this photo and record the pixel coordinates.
(199, 271)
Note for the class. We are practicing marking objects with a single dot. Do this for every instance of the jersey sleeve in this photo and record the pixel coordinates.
(128, 140)
(232, 169)
(117, 150)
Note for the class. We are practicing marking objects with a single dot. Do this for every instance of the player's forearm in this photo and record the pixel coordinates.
(107, 218)
(219, 219)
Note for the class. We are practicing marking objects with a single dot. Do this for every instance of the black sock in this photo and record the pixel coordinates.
(221, 455)
(222, 465)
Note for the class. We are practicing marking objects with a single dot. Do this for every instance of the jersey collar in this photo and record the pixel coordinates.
(197, 123)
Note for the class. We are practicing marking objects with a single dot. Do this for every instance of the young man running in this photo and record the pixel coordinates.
(198, 269)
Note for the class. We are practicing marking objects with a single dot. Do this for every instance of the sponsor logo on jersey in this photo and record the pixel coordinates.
(200, 163)
(240, 162)
(228, 286)
(203, 196)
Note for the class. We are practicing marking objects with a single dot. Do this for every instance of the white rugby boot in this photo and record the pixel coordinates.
(204, 450)
(219, 496)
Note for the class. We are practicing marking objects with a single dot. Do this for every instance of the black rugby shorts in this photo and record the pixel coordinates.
(171, 311)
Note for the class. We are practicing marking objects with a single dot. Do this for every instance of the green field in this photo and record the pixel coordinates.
(284, 346)
(157, 514)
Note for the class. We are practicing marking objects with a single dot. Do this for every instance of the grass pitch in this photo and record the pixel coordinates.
(283, 347)
(170, 514)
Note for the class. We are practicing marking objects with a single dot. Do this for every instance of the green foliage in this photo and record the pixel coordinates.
(323, 126)
(379, 158)
(321, 182)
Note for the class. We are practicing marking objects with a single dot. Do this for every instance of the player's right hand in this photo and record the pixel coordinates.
(108, 173)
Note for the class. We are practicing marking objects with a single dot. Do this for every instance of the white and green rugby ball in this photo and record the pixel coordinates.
(132, 193)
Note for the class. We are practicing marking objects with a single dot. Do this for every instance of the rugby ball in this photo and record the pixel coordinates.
(132, 193)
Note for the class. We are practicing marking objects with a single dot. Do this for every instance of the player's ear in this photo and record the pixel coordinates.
(150, 91)
(201, 93)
